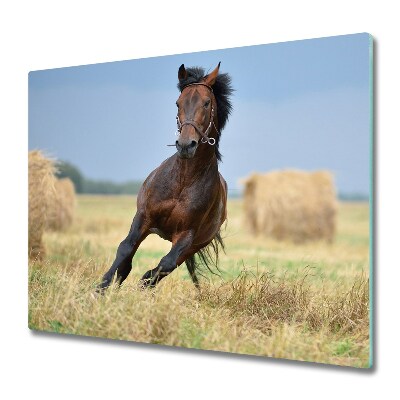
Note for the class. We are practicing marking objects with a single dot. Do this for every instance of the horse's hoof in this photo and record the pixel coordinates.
(147, 280)
(100, 289)
(146, 284)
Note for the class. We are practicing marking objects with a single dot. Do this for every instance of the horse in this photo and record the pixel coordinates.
(184, 200)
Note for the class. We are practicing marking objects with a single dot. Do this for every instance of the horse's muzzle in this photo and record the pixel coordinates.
(186, 150)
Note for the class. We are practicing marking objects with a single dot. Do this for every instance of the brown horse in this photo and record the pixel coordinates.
(184, 199)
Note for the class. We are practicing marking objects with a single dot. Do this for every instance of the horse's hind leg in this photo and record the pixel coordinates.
(122, 264)
(191, 266)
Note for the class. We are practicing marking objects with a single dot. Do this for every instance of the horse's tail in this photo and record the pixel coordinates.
(207, 257)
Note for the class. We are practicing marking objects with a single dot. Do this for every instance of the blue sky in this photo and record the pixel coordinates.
(302, 104)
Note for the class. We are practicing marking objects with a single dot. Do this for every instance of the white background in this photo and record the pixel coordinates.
(47, 34)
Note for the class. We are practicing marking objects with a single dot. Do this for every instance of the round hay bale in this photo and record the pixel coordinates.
(62, 207)
(41, 192)
(295, 205)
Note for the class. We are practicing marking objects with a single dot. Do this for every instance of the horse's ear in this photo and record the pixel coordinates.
(182, 74)
(211, 77)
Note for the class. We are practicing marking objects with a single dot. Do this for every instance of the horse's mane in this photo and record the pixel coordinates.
(222, 90)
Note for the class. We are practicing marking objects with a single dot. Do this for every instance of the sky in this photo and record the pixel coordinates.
(301, 104)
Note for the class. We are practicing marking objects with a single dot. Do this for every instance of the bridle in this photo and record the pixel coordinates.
(204, 135)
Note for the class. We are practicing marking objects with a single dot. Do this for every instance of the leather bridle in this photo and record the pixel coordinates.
(204, 135)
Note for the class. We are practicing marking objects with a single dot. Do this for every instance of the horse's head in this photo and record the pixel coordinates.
(197, 109)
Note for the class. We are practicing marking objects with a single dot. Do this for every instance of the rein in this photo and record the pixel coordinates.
(204, 135)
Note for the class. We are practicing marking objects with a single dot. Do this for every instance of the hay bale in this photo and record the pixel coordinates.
(295, 205)
(62, 207)
(41, 192)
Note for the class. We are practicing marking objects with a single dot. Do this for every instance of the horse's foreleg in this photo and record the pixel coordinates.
(122, 264)
(181, 249)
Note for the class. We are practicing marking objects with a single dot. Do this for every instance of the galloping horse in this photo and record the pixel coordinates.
(184, 199)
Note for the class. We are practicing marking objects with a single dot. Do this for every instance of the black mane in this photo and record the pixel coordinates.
(222, 90)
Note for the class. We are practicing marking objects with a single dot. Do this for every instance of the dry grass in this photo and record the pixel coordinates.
(290, 204)
(302, 302)
(250, 315)
(267, 300)
(41, 194)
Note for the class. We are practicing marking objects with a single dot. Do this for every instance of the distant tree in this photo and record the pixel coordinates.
(107, 187)
(100, 187)
(90, 186)
(67, 170)
(131, 187)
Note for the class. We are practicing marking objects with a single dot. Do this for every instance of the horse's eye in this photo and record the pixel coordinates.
(207, 103)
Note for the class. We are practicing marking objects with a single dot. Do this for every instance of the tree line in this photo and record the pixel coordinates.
(91, 186)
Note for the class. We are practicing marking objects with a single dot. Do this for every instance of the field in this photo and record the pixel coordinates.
(305, 302)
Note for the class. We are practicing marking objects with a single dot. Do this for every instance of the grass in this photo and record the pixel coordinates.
(305, 302)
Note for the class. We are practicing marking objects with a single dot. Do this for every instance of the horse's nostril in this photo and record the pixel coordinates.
(186, 147)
